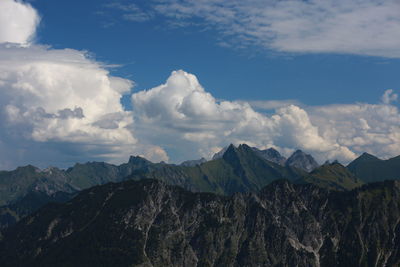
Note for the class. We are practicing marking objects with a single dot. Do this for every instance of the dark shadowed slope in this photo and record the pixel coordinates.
(149, 223)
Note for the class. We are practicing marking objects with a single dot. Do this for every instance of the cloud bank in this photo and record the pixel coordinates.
(60, 106)
(368, 27)
(62, 96)
(181, 114)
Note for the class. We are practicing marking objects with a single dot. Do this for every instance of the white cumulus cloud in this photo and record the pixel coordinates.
(58, 106)
(373, 128)
(49, 95)
(18, 22)
(182, 116)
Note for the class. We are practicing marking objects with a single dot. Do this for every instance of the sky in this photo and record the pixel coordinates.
(170, 80)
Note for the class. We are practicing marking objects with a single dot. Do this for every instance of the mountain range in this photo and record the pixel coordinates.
(232, 170)
(150, 223)
(240, 169)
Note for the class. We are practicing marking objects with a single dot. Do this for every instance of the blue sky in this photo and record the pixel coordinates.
(194, 76)
(149, 50)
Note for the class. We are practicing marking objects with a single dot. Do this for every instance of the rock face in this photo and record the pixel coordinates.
(302, 161)
(271, 154)
(220, 153)
(148, 223)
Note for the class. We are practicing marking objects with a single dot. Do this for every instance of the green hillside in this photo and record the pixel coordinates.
(372, 169)
(332, 176)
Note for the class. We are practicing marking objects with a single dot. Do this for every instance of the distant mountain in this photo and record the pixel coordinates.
(302, 161)
(237, 170)
(25, 189)
(271, 155)
(372, 169)
(240, 169)
(18, 183)
(94, 173)
(192, 163)
(332, 176)
(28, 204)
(149, 223)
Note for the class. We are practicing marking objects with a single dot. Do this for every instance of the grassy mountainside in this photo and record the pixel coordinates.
(372, 169)
(332, 176)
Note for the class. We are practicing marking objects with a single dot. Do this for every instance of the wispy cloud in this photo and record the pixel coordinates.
(272, 104)
(131, 12)
(368, 27)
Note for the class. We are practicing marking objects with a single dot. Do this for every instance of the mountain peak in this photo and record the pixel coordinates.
(301, 160)
(138, 160)
(232, 146)
(28, 168)
(220, 153)
(367, 156)
(245, 147)
(272, 155)
(230, 151)
(299, 151)
(272, 151)
(363, 158)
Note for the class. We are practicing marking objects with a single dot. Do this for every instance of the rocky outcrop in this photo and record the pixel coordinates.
(271, 154)
(302, 161)
(148, 223)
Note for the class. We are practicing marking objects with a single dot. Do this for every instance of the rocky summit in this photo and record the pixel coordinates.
(149, 223)
(272, 155)
(302, 161)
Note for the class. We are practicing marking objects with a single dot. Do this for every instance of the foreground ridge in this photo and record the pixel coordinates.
(149, 223)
